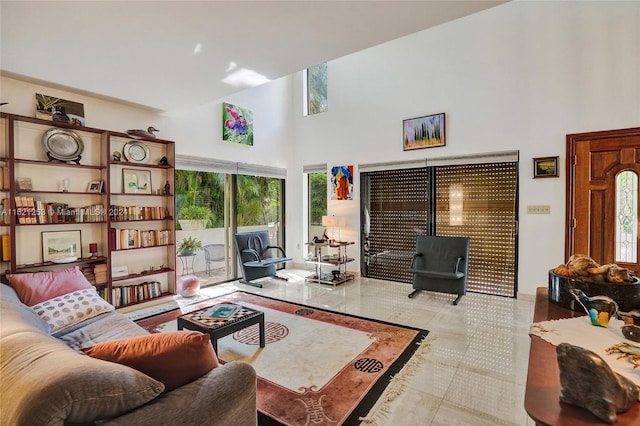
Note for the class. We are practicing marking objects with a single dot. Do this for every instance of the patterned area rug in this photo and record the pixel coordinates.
(318, 367)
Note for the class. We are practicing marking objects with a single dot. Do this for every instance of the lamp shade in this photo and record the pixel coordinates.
(329, 221)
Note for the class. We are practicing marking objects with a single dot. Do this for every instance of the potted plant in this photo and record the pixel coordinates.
(194, 217)
(188, 246)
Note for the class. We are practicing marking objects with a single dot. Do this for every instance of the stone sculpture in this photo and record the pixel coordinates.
(588, 382)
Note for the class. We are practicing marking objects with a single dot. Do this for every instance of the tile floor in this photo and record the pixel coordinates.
(476, 371)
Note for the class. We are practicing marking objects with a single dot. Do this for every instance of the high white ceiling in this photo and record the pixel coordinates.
(175, 55)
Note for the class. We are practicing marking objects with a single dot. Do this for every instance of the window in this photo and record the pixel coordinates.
(315, 82)
(626, 217)
(317, 202)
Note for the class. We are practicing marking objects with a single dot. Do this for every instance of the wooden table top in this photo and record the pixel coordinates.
(542, 393)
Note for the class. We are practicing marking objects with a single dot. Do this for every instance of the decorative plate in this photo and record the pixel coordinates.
(62, 144)
(136, 152)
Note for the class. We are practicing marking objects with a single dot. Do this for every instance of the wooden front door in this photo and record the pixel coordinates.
(594, 161)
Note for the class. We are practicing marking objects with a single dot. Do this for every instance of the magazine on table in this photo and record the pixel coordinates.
(223, 310)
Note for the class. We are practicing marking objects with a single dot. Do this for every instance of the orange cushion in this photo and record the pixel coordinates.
(174, 358)
(37, 287)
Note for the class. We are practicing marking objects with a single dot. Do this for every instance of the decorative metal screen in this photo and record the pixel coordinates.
(395, 209)
(487, 214)
(475, 200)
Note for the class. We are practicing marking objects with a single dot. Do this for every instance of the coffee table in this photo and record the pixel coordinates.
(217, 328)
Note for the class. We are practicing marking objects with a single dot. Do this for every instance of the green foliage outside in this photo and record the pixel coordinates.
(317, 88)
(198, 192)
(317, 197)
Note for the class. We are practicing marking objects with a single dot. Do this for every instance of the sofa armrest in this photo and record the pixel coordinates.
(224, 396)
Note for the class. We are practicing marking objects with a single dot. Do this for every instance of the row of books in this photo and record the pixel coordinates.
(4, 178)
(138, 213)
(30, 211)
(126, 295)
(123, 239)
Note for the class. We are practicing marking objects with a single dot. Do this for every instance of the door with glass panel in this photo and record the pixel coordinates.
(602, 196)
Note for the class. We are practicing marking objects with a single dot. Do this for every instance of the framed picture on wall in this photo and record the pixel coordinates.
(544, 167)
(423, 132)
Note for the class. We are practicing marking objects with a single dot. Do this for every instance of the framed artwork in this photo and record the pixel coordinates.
(95, 186)
(136, 181)
(237, 124)
(544, 167)
(24, 184)
(58, 245)
(342, 183)
(423, 132)
(57, 109)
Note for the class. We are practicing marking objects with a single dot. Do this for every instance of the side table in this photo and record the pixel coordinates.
(187, 263)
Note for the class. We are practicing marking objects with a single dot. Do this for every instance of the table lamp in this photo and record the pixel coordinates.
(329, 222)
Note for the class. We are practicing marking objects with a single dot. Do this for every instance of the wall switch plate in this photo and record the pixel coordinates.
(538, 209)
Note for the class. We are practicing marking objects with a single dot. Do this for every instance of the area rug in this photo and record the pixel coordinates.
(318, 367)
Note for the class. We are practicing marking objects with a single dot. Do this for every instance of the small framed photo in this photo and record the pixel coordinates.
(423, 132)
(136, 181)
(59, 246)
(24, 184)
(544, 167)
(95, 186)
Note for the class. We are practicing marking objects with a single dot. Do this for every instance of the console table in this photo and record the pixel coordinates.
(337, 260)
(542, 393)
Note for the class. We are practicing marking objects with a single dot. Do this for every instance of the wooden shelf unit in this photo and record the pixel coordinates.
(23, 154)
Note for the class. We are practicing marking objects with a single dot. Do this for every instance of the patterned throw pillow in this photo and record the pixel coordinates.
(71, 308)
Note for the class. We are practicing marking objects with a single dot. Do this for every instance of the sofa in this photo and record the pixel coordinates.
(48, 379)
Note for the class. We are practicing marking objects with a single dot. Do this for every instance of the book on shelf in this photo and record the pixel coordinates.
(6, 247)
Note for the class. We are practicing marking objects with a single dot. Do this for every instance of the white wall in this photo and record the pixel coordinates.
(518, 76)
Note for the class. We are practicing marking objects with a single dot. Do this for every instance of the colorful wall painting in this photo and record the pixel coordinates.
(423, 132)
(56, 109)
(342, 183)
(237, 124)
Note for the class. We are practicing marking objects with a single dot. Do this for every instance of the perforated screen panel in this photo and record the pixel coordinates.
(488, 196)
(475, 200)
(397, 211)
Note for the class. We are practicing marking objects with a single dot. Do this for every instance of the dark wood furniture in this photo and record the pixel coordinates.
(542, 393)
(217, 328)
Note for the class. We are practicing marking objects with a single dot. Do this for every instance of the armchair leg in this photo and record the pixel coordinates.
(455, 302)
(251, 283)
(413, 293)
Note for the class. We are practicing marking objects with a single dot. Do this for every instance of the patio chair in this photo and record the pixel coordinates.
(213, 253)
(258, 258)
(440, 264)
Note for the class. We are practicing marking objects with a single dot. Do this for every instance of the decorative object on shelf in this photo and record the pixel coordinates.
(588, 382)
(544, 167)
(188, 286)
(599, 308)
(167, 188)
(237, 124)
(628, 350)
(93, 249)
(423, 132)
(136, 152)
(95, 186)
(61, 245)
(144, 133)
(342, 183)
(24, 184)
(63, 145)
(55, 109)
(188, 246)
(116, 156)
(64, 184)
(164, 161)
(136, 181)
